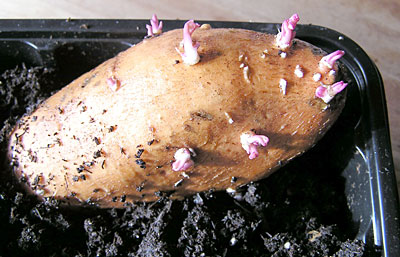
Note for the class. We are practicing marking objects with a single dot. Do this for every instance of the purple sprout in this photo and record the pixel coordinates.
(329, 60)
(183, 159)
(287, 33)
(250, 141)
(190, 55)
(155, 28)
(327, 93)
(293, 22)
(113, 83)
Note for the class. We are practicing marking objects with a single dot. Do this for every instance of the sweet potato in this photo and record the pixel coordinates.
(111, 135)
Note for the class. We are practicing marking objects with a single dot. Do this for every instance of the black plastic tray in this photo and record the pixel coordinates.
(364, 156)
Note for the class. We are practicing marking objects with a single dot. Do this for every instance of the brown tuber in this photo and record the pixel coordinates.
(153, 98)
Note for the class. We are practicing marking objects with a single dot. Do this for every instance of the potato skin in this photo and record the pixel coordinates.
(89, 143)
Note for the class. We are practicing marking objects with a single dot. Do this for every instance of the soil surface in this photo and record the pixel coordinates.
(300, 210)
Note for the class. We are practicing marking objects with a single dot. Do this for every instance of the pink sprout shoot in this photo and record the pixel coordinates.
(113, 83)
(183, 159)
(250, 141)
(327, 93)
(190, 55)
(155, 28)
(329, 60)
(287, 33)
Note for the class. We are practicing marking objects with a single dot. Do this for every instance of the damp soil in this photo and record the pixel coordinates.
(301, 210)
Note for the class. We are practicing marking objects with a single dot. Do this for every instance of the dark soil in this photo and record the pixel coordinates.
(300, 210)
